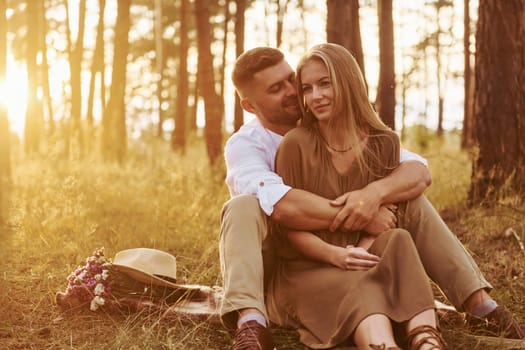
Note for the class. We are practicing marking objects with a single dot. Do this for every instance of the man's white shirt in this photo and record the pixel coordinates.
(250, 164)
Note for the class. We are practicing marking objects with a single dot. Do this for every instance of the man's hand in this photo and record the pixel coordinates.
(354, 258)
(384, 220)
(358, 209)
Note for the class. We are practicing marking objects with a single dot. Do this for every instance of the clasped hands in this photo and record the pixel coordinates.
(363, 210)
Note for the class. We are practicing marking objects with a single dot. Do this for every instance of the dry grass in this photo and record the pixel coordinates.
(59, 212)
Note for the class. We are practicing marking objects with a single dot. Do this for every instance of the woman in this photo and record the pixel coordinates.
(334, 287)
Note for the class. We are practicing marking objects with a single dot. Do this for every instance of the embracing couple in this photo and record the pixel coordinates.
(327, 230)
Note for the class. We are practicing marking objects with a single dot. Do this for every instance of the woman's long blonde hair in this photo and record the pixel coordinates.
(355, 115)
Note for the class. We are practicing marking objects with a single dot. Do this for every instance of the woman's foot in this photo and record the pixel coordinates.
(383, 347)
(425, 338)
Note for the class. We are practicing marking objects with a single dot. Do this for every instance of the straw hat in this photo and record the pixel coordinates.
(148, 265)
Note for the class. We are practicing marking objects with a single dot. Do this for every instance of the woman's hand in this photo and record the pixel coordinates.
(354, 258)
(384, 220)
(357, 209)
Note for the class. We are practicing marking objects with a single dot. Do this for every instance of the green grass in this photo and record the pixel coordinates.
(58, 212)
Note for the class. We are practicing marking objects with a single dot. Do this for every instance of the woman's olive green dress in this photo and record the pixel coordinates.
(323, 302)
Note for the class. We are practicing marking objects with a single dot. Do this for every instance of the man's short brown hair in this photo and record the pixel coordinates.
(252, 61)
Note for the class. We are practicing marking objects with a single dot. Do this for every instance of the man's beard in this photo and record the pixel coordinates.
(288, 104)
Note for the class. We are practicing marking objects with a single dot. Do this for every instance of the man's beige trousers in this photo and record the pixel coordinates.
(245, 254)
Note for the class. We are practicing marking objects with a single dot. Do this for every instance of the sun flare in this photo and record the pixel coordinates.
(13, 94)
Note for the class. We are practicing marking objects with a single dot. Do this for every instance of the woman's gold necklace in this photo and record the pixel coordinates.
(332, 148)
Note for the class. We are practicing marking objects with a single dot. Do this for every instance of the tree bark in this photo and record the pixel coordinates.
(212, 101)
(281, 11)
(227, 18)
(343, 28)
(499, 112)
(466, 132)
(97, 68)
(439, 84)
(33, 125)
(114, 120)
(179, 132)
(45, 73)
(192, 120)
(159, 63)
(5, 163)
(5, 137)
(76, 52)
(240, 10)
(386, 95)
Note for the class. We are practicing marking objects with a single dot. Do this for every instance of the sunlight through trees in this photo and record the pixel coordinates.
(88, 76)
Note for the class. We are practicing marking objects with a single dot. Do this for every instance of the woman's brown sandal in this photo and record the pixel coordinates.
(383, 347)
(433, 338)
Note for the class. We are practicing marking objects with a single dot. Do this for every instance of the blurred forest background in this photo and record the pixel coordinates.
(114, 113)
(86, 77)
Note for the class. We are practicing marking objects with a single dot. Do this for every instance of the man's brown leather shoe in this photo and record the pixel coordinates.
(500, 322)
(253, 336)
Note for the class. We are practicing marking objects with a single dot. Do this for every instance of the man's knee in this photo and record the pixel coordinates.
(417, 212)
(244, 204)
(243, 215)
(420, 205)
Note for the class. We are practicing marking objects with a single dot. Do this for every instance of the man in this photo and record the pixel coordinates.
(266, 85)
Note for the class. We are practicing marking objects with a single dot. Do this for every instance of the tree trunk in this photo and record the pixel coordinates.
(179, 132)
(222, 78)
(76, 51)
(304, 26)
(281, 11)
(386, 98)
(5, 164)
(227, 18)
(192, 122)
(499, 112)
(114, 122)
(97, 67)
(239, 49)
(5, 161)
(33, 126)
(45, 74)
(212, 101)
(5, 154)
(342, 27)
(466, 132)
(404, 89)
(442, 71)
(439, 84)
(159, 63)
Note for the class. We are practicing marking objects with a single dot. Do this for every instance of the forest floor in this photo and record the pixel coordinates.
(58, 212)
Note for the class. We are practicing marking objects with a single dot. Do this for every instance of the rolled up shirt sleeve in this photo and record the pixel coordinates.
(250, 170)
(269, 193)
(406, 156)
